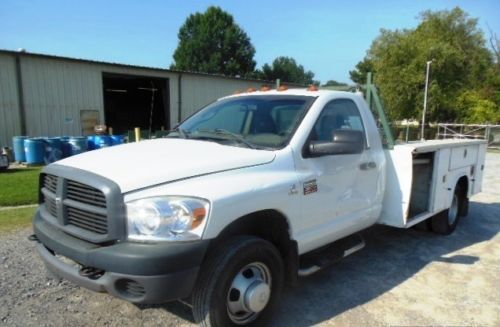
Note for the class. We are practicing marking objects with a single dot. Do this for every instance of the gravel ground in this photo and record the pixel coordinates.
(402, 277)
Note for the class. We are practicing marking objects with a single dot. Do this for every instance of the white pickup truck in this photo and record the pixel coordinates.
(242, 197)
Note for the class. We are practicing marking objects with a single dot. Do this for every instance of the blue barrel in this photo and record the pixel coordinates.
(102, 141)
(53, 149)
(90, 142)
(18, 145)
(65, 146)
(34, 150)
(117, 139)
(78, 144)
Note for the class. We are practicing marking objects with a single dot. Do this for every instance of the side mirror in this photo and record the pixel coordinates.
(344, 142)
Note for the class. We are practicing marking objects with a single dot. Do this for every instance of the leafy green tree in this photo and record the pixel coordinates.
(212, 42)
(478, 109)
(358, 75)
(460, 62)
(334, 83)
(287, 70)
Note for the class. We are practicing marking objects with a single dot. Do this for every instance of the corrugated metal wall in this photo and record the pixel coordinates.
(9, 105)
(55, 92)
(57, 89)
(200, 90)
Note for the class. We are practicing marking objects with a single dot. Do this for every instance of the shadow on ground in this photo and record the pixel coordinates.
(391, 256)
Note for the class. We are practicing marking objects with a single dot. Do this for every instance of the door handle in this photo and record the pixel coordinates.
(368, 165)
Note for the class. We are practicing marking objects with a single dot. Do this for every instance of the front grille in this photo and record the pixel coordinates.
(50, 183)
(85, 194)
(78, 208)
(87, 220)
(50, 205)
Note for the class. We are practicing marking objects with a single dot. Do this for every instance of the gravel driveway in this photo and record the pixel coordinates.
(402, 277)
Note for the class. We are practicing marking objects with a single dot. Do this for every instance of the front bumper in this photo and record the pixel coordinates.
(136, 272)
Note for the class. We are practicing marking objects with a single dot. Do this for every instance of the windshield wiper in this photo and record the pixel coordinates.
(233, 136)
(182, 133)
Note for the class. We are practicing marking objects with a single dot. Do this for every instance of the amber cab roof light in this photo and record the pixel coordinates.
(265, 88)
(312, 88)
(251, 89)
(283, 88)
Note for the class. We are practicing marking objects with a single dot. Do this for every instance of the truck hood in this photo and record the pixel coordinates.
(137, 165)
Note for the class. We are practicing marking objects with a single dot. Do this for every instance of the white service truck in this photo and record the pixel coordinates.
(241, 198)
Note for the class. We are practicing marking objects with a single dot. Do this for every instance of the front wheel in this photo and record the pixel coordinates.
(240, 284)
(446, 221)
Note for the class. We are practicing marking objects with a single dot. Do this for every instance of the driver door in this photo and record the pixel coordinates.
(336, 187)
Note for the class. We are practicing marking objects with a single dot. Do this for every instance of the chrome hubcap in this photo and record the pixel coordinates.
(249, 293)
(453, 211)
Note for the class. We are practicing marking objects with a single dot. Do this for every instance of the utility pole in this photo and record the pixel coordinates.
(422, 137)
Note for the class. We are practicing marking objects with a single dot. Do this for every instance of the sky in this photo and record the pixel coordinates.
(326, 37)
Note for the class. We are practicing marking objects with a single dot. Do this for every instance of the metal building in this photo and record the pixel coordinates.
(42, 95)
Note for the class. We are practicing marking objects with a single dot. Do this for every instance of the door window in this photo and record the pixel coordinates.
(340, 114)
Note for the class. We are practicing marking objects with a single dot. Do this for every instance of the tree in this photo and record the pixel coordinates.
(287, 70)
(334, 83)
(460, 62)
(479, 110)
(212, 42)
(358, 75)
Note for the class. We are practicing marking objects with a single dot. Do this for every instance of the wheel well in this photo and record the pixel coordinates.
(270, 225)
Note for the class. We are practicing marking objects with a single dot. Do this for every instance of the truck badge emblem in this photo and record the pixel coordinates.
(310, 187)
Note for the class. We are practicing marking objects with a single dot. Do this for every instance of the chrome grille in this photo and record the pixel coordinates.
(85, 194)
(87, 220)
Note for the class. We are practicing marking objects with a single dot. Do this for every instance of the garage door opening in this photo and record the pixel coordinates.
(135, 101)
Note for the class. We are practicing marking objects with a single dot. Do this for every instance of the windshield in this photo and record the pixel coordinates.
(267, 121)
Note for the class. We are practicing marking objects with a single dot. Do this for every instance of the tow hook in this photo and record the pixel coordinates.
(91, 272)
(33, 238)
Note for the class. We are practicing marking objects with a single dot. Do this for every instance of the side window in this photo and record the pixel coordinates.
(337, 114)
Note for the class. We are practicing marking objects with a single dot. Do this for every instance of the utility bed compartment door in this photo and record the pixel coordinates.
(463, 156)
(479, 169)
(441, 193)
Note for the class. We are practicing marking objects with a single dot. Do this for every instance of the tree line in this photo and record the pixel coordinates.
(464, 78)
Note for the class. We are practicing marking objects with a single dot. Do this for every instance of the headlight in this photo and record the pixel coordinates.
(166, 218)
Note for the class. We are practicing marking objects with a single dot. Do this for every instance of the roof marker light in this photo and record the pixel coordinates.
(251, 89)
(265, 88)
(312, 88)
(283, 88)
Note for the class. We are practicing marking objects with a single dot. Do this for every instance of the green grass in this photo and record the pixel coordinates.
(19, 186)
(11, 219)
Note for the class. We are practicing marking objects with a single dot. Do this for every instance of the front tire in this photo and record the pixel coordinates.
(446, 221)
(239, 284)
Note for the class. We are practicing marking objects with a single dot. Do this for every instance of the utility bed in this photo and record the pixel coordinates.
(421, 177)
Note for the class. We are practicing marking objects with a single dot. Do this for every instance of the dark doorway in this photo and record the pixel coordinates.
(135, 101)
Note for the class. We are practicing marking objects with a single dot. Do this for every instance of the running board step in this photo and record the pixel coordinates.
(318, 259)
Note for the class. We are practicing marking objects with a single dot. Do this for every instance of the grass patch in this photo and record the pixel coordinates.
(11, 219)
(19, 186)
